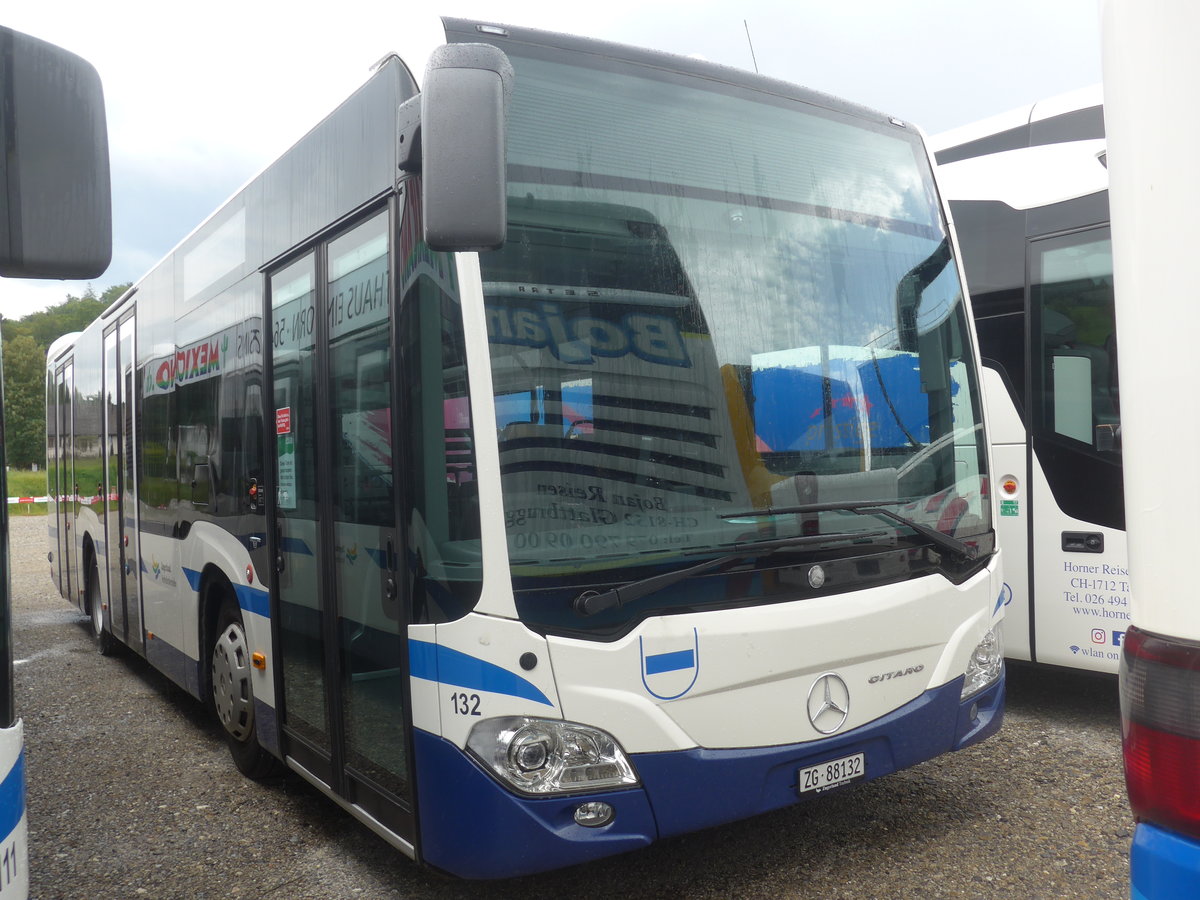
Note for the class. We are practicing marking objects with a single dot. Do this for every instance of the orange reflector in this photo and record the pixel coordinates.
(149, 635)
(1009, 486)
(258, 660)
(250, 574)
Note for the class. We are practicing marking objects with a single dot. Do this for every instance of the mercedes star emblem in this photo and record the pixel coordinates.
(828, 703)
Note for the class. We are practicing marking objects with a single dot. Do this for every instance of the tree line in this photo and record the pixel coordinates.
(26, 341)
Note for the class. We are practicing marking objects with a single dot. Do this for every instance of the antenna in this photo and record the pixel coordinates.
(751, 43)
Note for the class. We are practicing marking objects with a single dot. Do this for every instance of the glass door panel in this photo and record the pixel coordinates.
(297, 501)
(62, 478)
(341, 623)
(112, 479)
(364, 553)
(130, 532)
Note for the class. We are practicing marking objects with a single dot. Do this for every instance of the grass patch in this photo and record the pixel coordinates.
(26, 483)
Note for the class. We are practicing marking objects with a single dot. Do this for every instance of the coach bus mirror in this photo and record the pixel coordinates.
(464, 105)
(55, 201)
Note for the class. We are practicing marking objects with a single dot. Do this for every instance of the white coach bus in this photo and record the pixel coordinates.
(1151, 72)
(1028, 192)
(507, 499)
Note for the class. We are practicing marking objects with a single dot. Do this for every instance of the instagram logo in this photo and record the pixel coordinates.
(1099, 636)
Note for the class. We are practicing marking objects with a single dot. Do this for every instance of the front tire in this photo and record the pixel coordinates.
(233, 694)
(101, 636)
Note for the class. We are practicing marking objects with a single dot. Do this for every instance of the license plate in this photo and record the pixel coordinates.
(832, 774)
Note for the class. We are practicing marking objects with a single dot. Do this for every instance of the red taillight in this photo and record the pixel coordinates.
(1160, 726)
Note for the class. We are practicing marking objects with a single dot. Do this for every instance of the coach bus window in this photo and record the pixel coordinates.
(1076, 382)
(443, 499)
(159, 485)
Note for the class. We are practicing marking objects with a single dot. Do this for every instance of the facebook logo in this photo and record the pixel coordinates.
(1118, 638)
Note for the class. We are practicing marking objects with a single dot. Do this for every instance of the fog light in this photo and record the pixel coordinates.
(594, 814)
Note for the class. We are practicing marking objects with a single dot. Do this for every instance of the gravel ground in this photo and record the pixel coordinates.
(132, 794)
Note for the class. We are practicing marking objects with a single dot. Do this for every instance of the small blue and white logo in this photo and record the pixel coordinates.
(669, 670)
(1005, 598)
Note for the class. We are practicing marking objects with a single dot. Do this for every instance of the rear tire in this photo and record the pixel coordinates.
(233, 694)
(101, 636)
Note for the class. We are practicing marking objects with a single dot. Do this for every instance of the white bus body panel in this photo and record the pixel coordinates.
(209, 544)
(731, 668)
(1082, 599)
(1153, 196)
(753, 668)
(14, 846)
(1009, 457)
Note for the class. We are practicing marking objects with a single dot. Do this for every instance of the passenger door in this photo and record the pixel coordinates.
(341, 629)
(120, 466)
(63, 477)
(1077, 542)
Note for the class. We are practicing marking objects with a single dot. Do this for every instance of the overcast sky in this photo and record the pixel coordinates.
(202, 99)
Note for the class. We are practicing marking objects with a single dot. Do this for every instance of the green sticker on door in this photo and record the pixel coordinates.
(1010, 508)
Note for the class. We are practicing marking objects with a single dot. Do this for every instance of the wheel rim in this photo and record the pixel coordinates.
(231, 682)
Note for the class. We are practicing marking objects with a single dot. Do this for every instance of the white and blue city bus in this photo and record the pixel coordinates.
(14, 830)
(1151, 73)
(1028, 191)
(55, 222)
(507, 498)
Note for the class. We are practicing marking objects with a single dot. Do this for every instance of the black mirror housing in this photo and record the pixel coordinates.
(464, 108)
(55, 193)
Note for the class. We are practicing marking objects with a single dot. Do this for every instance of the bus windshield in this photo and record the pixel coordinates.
(715, 300)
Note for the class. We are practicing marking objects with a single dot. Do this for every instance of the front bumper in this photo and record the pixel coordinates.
(472, 826)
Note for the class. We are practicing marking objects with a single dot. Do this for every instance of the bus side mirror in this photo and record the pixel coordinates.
(55, 202)
(464, 108)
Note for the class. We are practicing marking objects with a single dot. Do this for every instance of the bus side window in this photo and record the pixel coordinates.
(441, 496)
(1072, 295)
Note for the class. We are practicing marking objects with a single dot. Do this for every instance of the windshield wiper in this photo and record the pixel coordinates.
(868, 508)
(591, 602)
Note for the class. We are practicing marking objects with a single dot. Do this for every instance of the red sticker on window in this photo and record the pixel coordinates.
(283, 420)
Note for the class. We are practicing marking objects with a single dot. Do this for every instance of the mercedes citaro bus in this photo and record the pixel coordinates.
(527, 447)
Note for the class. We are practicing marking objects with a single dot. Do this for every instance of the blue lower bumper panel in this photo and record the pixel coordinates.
(1163, 865)
(473, 827)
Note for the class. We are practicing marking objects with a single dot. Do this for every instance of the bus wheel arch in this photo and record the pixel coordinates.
(228, 677)
(93, 601)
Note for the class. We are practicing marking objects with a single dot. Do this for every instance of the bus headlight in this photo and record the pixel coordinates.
(549, 756)
(985, 665)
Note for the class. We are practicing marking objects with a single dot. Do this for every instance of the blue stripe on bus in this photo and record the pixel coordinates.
(12, 796)
(670, 662)
(253, 600)
(193, 578)
(433, 662)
